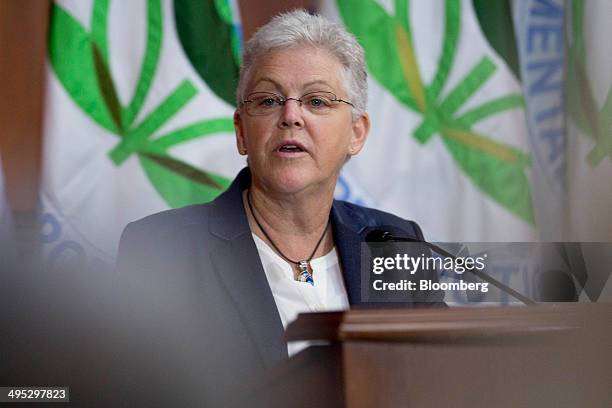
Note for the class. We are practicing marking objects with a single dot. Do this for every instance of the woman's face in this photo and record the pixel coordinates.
(323, 141)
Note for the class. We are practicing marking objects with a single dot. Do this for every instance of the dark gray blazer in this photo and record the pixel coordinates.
(197, 298)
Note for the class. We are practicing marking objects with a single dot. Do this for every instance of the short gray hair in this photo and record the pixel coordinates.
(299, 28)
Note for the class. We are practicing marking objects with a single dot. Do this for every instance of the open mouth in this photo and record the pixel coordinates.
(290, 147)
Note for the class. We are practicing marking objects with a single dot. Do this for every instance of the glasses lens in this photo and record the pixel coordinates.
(319, 102)
(262, 103)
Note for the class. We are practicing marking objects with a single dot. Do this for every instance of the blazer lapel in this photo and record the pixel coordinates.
(236, 262)
(347, 229)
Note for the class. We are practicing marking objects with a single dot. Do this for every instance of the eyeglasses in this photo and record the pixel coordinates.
(267, 103)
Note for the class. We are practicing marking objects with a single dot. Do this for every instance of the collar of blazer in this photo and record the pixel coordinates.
(229, 222)
(228, 206)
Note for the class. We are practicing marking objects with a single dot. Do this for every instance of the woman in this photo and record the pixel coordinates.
(301, 115)
(230, 275)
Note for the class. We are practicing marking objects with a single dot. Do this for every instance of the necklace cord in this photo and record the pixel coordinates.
(272, 242)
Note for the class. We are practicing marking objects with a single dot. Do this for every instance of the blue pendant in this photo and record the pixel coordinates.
(305, 275)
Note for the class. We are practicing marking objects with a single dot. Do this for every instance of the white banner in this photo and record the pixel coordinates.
(138, 117)
(449, 144)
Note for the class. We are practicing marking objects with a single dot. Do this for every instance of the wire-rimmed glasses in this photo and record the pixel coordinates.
(267, 103)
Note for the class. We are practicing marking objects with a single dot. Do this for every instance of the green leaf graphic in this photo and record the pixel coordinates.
(137, 137)
(99, 27)
(81, 63)
(149, 64)
(583, 109)
(375, 30)
(72, 58)
(179, 183)
(449, 48)
(495, 18)
(489, 108)
(107, 87)
(194, 131)
(497, 169)
(498, 172)
(206, 37)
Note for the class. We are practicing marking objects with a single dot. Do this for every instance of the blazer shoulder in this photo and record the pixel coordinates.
(170, 221)
(371, 217)
(155, 233)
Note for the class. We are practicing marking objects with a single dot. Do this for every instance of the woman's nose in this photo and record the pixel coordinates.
(291, 114)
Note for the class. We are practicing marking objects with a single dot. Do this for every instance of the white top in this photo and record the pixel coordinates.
(293, 297)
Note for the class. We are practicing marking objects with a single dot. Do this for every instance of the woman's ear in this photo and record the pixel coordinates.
(361, 129)
(240, 140)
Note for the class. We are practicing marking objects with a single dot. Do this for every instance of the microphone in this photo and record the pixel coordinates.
(384, 234)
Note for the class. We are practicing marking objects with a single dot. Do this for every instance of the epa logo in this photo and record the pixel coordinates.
(497, 169)
(80, 59)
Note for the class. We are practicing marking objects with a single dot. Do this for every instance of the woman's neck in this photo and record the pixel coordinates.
(294, 222)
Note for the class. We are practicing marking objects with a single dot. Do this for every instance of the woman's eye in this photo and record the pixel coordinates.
(267, 102)
(318, 102)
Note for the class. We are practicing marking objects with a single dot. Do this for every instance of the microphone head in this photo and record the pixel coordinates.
(388, 233)
(379, 235)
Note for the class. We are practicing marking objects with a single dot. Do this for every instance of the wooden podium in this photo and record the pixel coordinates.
(537, 356)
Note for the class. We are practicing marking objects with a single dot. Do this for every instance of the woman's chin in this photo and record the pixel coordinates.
(292, 180)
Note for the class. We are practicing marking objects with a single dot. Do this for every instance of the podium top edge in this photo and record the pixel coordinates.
(449, 324)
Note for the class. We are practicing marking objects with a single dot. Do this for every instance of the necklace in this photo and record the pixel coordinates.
(304, 265)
